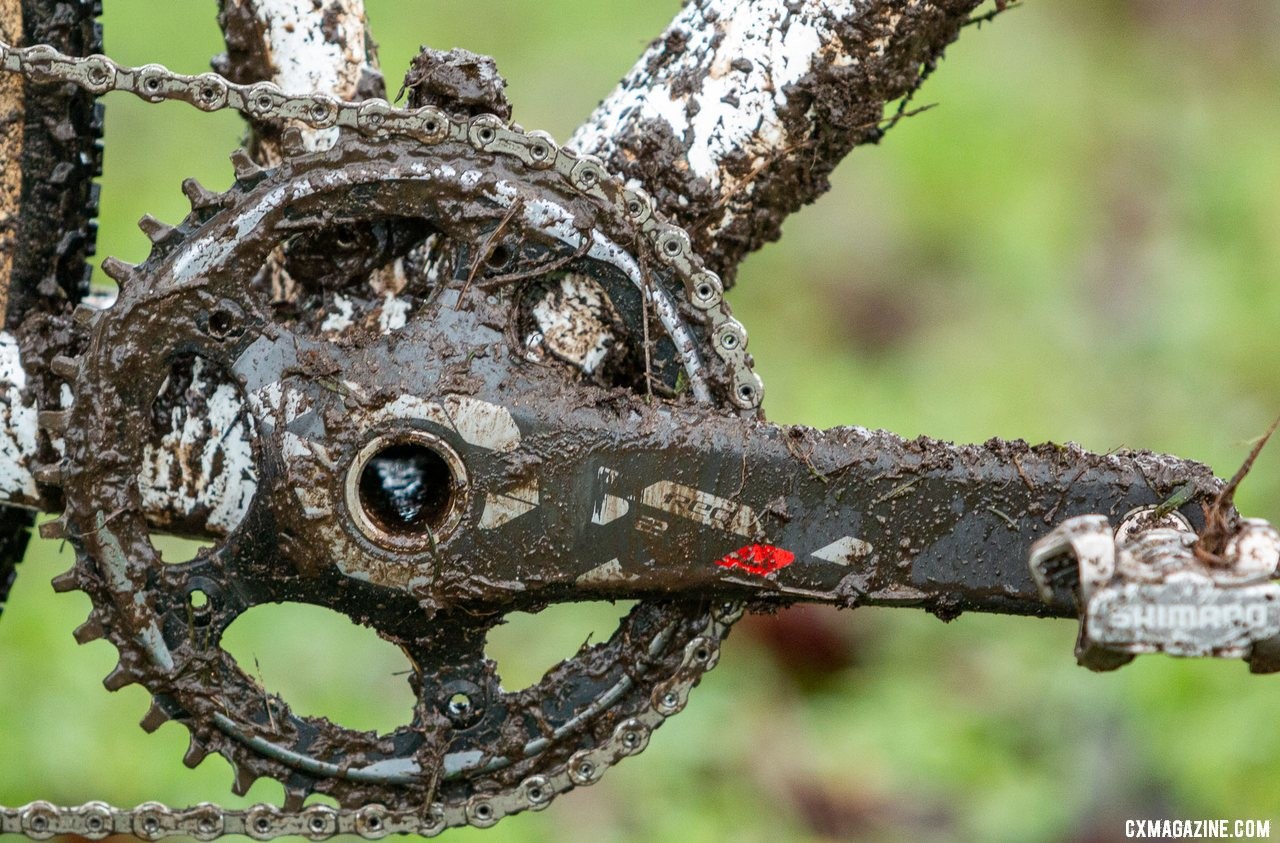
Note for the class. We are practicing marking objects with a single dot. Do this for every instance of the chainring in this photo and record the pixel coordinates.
(472, 752)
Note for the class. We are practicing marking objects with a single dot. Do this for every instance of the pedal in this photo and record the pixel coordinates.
(1141, 588)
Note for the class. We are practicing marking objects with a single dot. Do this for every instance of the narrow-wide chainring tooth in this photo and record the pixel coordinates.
(196, 752)
(68, 580)
(49, 474)
(119, 271)
(55, 528)
(292, 142)
(121, 676)
(244, 779)
(248, 172)
(294, 798)
(155, 717)
(204, 202)
(91, 630)
(156, 231)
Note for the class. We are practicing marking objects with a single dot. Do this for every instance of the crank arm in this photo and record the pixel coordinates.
(646, 500)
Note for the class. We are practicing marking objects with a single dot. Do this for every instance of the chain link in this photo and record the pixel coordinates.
(378, 118)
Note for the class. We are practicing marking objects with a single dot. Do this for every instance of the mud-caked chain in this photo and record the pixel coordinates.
(378, 118)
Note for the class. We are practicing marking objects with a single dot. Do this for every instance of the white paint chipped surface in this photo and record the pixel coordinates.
(341, 317)
(202, 463)
(305, 59)
(18, 426)
(743, 54)
(574, 322)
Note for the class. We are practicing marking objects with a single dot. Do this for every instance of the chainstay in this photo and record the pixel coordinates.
(377, 117)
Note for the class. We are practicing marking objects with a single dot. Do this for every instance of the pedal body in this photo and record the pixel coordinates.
(1142, 588)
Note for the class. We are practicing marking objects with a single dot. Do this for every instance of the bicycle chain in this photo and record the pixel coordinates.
(153, 821)
(378, 118)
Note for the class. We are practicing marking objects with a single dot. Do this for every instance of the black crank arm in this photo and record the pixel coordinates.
(634, 501)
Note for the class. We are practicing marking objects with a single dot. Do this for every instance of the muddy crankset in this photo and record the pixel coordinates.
(450, 449)
(376, 456)
(529, 485)
(450, 397)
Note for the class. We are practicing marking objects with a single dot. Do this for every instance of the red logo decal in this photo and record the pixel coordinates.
(758, 559)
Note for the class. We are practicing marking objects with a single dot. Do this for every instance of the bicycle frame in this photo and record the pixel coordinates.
(614, 132)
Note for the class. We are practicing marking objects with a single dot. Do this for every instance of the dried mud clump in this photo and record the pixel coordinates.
(460, 82)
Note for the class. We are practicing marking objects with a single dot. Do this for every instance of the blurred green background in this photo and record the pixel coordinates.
(1081, 243)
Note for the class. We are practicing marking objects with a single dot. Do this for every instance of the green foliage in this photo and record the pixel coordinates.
(1079, 243)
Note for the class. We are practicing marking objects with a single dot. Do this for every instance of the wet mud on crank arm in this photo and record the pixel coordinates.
(654, 502)
(644, 503)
